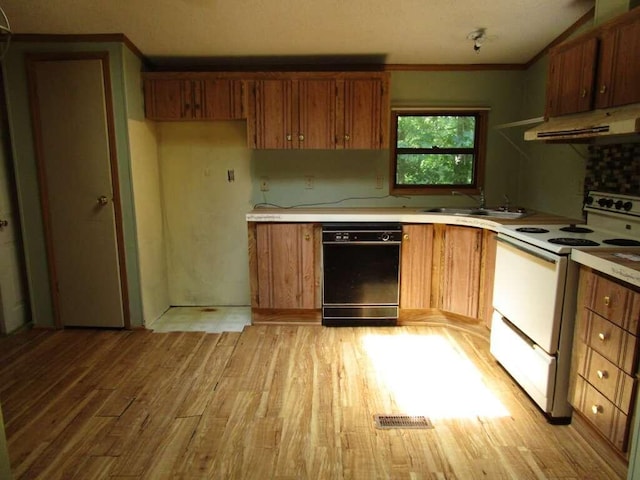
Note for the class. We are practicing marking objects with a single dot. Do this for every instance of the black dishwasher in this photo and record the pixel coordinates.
(361, 273)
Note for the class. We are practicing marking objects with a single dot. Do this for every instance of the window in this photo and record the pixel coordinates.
(434, 152)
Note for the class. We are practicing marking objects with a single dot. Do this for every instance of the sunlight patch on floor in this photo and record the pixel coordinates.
(428, 376)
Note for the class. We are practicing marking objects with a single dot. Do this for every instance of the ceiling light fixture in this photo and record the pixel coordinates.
(478, 36)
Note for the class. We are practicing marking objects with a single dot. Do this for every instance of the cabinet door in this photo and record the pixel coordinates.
(286, 265)
(272, 114)
(363, 123)
(222, 99)
(619, 73)
(461, 270)
(168, 99)
(416, 267)
(316, 114)
(571, 78)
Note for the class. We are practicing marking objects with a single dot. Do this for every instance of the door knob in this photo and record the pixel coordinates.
(102, 201)
(4, 223)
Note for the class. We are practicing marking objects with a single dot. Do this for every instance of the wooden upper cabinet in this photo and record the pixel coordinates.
(319, 111)
(292, 113)
(619, 73)
(193, 96)
(597, 70)
(572, 73)
(364, 116)
(270, 121)
(316, 113)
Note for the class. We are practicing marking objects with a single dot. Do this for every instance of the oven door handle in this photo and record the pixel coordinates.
(526, 248)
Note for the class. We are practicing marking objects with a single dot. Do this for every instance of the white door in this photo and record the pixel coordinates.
(13, 301)
(73, 133)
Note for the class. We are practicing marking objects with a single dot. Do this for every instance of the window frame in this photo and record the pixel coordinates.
(480, 151)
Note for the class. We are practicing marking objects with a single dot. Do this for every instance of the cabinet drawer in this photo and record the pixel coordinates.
(610, 341)
(609, 380)
(601, 413)
(613, 301)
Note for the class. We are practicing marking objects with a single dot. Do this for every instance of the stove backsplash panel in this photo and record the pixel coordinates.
(614, 168)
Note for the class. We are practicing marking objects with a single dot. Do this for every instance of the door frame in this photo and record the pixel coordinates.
(31, 60)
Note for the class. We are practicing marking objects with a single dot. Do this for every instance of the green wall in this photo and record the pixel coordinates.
(26, 171)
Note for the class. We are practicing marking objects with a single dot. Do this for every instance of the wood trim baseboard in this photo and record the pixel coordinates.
(274, 316)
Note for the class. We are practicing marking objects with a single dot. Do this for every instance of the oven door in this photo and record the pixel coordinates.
(529, 290)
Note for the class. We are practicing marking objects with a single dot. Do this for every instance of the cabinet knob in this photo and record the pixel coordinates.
(607, 301)
(301, 137)
(603, 336)
(583, 93)
(289, 138)
(603, 89)
(405, 236)
(347, 137)
(602, 374)
(596, 409)
(307, 236)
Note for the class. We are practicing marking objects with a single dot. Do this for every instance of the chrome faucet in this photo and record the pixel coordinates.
(480, 199)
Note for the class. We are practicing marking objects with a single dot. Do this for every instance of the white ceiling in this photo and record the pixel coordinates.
(389, 31)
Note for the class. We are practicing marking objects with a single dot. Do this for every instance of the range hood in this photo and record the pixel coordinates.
(619, 121)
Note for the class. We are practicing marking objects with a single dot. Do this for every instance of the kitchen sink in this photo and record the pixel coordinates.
(478, 212)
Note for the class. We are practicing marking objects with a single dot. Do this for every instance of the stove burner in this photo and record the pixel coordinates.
(574, 242)
(623, 242)
(532, 230)
(572, 228)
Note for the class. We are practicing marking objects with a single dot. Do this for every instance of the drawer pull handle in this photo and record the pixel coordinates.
(596, 409)
(307, 236)
(602, 374)
(607, 301)
(603, 336)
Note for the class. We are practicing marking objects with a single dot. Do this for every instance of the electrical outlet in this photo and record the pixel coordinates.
(264, 184)
(379, 181)
(308, 182)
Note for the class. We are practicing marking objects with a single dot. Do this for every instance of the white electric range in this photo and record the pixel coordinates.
(612, 220)
(535, 294)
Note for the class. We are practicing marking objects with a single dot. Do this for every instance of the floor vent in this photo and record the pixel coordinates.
(402, 421)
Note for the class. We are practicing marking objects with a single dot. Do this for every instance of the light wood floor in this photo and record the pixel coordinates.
(280, 402)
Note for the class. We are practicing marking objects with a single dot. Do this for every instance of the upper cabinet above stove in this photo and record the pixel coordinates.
(599, 69)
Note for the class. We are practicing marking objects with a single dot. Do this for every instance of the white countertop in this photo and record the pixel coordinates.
(622, 263)
(400, 215)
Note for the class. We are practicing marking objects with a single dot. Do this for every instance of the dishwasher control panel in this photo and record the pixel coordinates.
(361, 232)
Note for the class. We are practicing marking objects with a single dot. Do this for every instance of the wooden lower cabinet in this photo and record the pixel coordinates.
(461, 255)
(448, 268)
(445, 269)
(416, 266)
(605, 356)
(285, 273)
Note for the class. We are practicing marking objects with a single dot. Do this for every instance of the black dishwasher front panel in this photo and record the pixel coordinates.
(361, 269)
